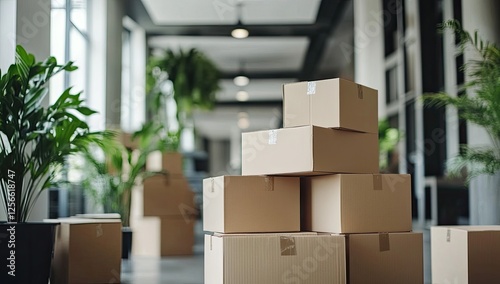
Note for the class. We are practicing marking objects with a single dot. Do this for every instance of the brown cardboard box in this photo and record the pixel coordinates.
(177, 236)
(127, 141)
(333, 103)
(87, 251)
(251, 204)
(357, 203)
(275, 258)
(171, 162)
(465, 254)
(385, 258)
(308, 150)
(162, 236)
(167, 196)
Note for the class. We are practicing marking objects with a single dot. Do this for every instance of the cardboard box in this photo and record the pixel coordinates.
(465, 254)
(386, 258)
(251, 204)
(87, 251)
(333, 103)
(177, 236)
(357, 203)
(171, 162)
(309, 150)
(127, 141)
(167, 196)
(162, 236)
(275, 258)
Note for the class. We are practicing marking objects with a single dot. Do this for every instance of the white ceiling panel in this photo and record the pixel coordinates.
(257, 54)
(224, 12)
(258, 90)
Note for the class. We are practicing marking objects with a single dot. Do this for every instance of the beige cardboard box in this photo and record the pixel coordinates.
(127, 141)
(275, 258)
(308, 150)
(465, 254)
(171, 162)
(87, 251)
(357, 203)
(177, 236)
(333, 103)
(167, 196)
(385, 258)
(251, 204)
(162, 236)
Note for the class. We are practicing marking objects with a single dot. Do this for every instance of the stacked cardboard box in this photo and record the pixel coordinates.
(163, 212)
(330, 142)
(465, 254)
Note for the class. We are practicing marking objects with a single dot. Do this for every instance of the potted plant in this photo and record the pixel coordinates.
(482, 164)
(34, 142)
(110, 179)
(189, 78)
(388, 138)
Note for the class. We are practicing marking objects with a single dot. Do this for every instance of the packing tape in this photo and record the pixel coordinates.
(311, 88)
(448, 235)
(383, 241)
(377, 182)
(212, 185)
(269, 183)
(273, 137)
(360, 92)
(287, 246)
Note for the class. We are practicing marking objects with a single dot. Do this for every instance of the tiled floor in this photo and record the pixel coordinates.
(189, 270)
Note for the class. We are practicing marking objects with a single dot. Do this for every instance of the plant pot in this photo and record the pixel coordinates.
(484, 193)
(26, 251)
(126, 242)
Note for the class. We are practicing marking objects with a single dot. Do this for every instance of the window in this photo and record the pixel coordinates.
(69, 42)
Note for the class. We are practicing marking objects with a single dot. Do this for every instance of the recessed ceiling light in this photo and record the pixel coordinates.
(243, 120)
(239, 33)
(242, 96)
(241, 81)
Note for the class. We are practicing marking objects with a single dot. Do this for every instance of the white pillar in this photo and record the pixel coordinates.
(369, 56)
(481, 16)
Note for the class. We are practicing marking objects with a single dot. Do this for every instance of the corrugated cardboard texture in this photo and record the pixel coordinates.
(309, 150)
(332, 103)
(177, 236)
(87, 252)
(168, 196)
(357, 203)
(245, 204)
(465, 254)
(370, 263)
(250, 259)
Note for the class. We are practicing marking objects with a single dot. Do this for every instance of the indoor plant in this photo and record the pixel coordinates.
(34, 142)
(482, 109)
(194, 82)
(110, 179)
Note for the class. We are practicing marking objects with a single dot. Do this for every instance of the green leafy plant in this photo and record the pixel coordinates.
(388, 138)
(195, 82)
(482, 109)
(36, 140)
(111, 178)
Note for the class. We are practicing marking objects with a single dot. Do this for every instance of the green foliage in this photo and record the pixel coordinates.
(482, 109)
(388, 138)
(36, 140)
(110, 179)
(195, 80)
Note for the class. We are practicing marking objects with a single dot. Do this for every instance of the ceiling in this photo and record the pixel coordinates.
(289, 40)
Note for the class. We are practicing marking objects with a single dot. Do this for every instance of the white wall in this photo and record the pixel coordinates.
(369, 47)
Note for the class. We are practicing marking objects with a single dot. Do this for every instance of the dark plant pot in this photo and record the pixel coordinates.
(26, 251)
(126, 242)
